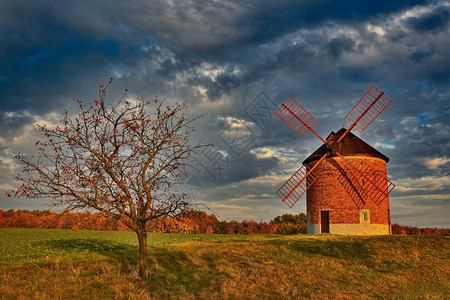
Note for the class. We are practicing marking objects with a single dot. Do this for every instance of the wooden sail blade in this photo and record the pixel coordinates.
(297, 117)
(293, 189)
(372, 104)
(391, 186)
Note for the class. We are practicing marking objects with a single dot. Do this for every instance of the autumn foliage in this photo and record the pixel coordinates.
(193, 221)
(413, 230)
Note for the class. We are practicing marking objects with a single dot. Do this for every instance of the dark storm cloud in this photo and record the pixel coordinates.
(206, 26)
(236, 169)
(44, 50)
(337, 46)
(9, 123)
(425, 46)
(70, 38)
(432, 21)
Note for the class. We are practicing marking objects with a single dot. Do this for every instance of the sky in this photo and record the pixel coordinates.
(236, 62)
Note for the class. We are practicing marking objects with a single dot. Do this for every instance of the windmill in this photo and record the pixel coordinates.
(345, 180)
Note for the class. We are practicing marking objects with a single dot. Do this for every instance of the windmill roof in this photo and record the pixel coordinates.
(350, 145)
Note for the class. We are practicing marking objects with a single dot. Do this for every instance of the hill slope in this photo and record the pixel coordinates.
(87, 264)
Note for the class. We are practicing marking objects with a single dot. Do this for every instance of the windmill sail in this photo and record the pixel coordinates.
(367, 109)
(293, 189)
(296, 116)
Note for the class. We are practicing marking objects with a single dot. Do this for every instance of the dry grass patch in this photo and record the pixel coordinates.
(97, 266)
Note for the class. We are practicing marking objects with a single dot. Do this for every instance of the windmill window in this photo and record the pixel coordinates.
(364, 216)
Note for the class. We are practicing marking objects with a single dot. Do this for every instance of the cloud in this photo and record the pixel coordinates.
(421, 210)
(247, 199)
(427, 21)
(434, 163)
(9, 121)
(428, 184)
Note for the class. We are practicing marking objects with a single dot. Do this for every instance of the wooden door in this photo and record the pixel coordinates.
(325, 221)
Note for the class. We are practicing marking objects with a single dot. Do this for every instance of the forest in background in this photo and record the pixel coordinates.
(194, 221)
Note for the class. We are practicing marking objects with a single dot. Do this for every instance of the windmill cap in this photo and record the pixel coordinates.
(350, 145)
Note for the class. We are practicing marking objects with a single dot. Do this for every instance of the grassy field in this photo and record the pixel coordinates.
(62, 264)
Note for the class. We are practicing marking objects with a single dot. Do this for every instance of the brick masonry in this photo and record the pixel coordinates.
(327, 193)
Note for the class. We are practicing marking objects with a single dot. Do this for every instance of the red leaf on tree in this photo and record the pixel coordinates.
(96, 102)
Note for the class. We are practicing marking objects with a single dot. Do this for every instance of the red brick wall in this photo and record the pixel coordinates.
(327, 193)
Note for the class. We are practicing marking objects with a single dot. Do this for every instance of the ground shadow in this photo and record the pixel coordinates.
(113, 250)
(91, 245)
(173, 270)
(358, 248)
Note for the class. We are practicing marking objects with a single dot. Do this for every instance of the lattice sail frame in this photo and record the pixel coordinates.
(293, 189)
(368, 108)
(375, 188)
(296, 116)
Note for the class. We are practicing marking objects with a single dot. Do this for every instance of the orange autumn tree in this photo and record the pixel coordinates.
(117, 159)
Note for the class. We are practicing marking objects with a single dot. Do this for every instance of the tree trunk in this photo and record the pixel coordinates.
(143, 253)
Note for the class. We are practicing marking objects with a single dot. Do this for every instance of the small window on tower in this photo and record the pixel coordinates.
(364, 216)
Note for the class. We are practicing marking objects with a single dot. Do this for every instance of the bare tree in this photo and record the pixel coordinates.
(117, 159)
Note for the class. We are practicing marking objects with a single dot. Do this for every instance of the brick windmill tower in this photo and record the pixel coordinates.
(345, 180)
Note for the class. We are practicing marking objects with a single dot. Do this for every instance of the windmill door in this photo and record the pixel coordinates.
(325, 221)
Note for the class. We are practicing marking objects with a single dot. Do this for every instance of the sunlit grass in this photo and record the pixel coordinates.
(19, 243)
(102, 265)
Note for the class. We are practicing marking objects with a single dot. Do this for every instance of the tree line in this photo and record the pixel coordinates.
(413, 230)
(193, 221)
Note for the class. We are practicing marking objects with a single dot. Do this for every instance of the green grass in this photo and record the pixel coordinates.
(62, 264)
(19, 243)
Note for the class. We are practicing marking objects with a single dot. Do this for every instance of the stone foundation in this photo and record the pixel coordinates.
(352, 229)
